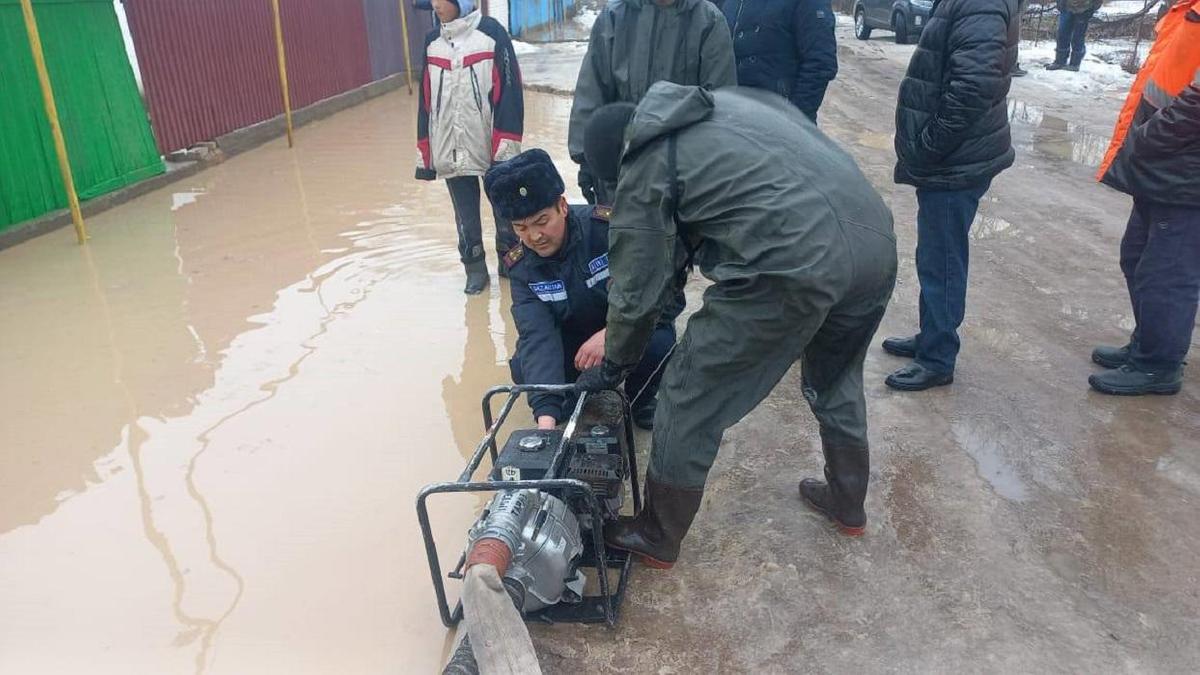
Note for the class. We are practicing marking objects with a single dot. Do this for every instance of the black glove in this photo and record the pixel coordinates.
(587, 183)
(607, 375)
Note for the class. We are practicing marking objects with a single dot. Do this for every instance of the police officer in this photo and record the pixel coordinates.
(802, 256)
(559, 278)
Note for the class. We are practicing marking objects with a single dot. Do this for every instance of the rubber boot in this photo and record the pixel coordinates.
(477, 277)
(656, 532)
(841, 495)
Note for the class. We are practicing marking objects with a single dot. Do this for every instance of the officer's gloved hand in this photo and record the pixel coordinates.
(587, 183)
(607, 375)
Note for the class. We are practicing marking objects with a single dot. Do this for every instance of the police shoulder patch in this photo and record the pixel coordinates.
(514, 255)
(600, 212)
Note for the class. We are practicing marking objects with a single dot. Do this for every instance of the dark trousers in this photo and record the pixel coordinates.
(944, 220)
(746, 336)
(646, 375)
(1160, 256)
(464, 194)
(1072, 34)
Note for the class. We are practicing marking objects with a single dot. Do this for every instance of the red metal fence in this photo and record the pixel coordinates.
(208, 66)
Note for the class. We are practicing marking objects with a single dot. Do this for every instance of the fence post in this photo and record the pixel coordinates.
(60, 145)
(407, 49)
(283, 79)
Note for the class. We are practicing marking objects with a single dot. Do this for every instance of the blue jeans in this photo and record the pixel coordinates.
(1160, 256)
(1072, 32)
(944, 220)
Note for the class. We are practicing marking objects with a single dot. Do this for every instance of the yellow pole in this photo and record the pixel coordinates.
(407, 50)
(283, 79)
(60, 145)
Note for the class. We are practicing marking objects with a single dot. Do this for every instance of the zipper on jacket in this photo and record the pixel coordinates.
(475, 89)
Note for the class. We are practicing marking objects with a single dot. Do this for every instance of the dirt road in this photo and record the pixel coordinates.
(215, 418)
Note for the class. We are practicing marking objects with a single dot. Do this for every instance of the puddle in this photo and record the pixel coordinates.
(991, 461)
(218, 414)
(1035, 130)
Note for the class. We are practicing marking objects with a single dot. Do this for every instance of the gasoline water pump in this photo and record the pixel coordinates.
(554, 490)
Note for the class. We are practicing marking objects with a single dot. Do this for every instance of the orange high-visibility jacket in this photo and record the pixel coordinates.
(1155, 150)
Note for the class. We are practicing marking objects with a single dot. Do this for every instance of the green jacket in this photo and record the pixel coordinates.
(636, 43)
(749, 182)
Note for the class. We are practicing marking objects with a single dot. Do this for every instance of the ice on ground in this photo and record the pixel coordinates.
(551, 66)
(522, 48)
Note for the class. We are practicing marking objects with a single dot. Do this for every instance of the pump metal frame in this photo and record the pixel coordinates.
(602, 608)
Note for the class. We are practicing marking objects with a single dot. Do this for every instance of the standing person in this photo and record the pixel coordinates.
(785, 46)
(801, 253)
(1018, 71)
(952, 139)
(636, 43)
(1073, 19)
(472, 113)
(559, 274)
(1154, 157)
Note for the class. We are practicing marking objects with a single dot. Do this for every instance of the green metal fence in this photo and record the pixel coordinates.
(103, 118)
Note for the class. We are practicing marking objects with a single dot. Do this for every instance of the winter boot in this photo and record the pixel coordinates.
(477, 277)
(643, 412)
(1129, 380)
(1111, 357)
(1056, 66)
(656, 532)
(841, 495)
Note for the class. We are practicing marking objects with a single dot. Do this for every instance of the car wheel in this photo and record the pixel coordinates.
(861, 30)
(900, 26)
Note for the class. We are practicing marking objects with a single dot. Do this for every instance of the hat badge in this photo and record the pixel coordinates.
(524, 192)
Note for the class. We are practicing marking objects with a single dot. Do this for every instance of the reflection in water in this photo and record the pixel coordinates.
(991, 460)
(482, 368)
(1055, 136)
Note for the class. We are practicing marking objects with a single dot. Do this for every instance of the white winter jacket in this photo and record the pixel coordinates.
(472, 109)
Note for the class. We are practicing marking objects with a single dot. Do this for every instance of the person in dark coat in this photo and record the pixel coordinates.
(559, 278)
(636, 43)
(952, 139)
(785, 46)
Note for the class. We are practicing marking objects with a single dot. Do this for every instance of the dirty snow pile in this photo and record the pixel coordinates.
(1100, 72)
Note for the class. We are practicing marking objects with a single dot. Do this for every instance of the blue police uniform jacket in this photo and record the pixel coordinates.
(558, 302)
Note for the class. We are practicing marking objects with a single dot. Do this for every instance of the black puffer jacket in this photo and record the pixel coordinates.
(952, 112)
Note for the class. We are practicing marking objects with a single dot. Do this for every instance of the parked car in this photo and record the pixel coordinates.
(905, 18)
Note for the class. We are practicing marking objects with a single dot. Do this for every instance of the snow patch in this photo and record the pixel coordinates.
(1099, 73)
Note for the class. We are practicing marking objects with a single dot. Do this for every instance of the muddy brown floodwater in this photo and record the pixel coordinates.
(216, 416)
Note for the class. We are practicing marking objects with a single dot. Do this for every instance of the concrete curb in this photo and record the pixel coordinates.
(230, 144)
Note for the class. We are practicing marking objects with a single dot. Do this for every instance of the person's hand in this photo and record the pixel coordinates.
(607, 375)
(547, 422)
(587, 184)
(591, 353)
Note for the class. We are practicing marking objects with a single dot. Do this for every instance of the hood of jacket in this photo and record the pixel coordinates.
(462, 26)
(666, 108)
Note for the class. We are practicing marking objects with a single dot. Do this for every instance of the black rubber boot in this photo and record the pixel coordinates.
(1128, 380)
(643, 412)
(841, 495)
(901, 346)
(1111, 357)
(656, 532)
(477, 277)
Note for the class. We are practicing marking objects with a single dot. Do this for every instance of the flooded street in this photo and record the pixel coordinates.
(215, 418)
(217, 415)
